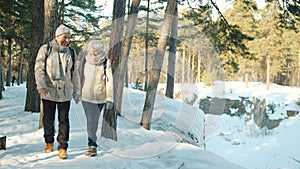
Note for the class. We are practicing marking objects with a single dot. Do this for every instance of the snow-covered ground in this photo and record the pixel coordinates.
(178, 137)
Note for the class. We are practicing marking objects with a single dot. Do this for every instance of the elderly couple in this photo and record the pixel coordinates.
(60, 77)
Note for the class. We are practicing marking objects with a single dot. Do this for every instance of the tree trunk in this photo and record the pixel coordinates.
(109, 124)
(189, 55)
(115, 44)
(8, 63)
(37, 29)
(41, 115)
(193, 67)
(126, 77)
(299, 68)
(268, 73)
(22, 70)
(132, 18)
(157, 65)
(199, 68)
(1, 79)
(62, 13)
(20, 63)
(246, 76)
(116, 36)
(147, 46)
(183, 64)
(51, 19)
(246, 80)
(172, 55)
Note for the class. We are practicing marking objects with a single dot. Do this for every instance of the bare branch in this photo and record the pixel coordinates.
(219, 12)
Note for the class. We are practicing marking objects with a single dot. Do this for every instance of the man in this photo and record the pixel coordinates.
(57, 82)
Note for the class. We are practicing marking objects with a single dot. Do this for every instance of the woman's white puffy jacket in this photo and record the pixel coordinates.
(96, 82)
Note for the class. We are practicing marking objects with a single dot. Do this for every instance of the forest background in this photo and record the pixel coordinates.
(243, 43)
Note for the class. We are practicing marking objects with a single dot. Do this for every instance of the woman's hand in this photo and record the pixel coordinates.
(43, 91)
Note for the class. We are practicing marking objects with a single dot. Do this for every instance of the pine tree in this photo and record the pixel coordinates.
(82, 17)
(243, 15)
(37, 33)
(157, 64)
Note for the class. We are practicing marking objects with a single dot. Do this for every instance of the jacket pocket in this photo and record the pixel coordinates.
(52, 93)
(100, 92)
(68, 89)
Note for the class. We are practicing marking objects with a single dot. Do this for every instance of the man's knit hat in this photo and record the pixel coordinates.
(62, 29)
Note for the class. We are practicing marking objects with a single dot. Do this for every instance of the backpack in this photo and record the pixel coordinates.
(49, 48)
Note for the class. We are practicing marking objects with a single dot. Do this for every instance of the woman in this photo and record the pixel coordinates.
(96, 88)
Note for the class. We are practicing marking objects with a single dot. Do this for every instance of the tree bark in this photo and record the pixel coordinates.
(147, 46)
(109, 125)
(246, 76)
(246, 80)
(8, 63)
(193, 67)
(299, 68)
(1, 76)
(37, 29)
(115, 45)
(116, 36)
(20, 66)
(132, 19)
(62, 13)
(157, 65)
(188, 66)
(199, 68)
(51, 19)
(183, 64)
(268, 72)
(172, 55)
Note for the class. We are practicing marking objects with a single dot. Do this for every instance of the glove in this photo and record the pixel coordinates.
(109, 105)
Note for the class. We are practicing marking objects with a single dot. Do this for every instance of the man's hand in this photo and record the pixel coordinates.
(109, 105)
(43, 91)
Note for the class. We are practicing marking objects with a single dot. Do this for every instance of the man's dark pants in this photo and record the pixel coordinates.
(63, 122)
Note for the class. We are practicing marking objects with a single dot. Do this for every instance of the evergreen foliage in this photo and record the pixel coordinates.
(243, 38)
(82, 17)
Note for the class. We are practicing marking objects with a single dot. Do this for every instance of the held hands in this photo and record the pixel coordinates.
(76, 99)
(43, 91)
(109, 105)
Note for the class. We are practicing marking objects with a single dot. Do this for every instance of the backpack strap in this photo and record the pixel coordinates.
(49, 48)
(73, 60)
(48, 51)
(47, 54)
(104, 66)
